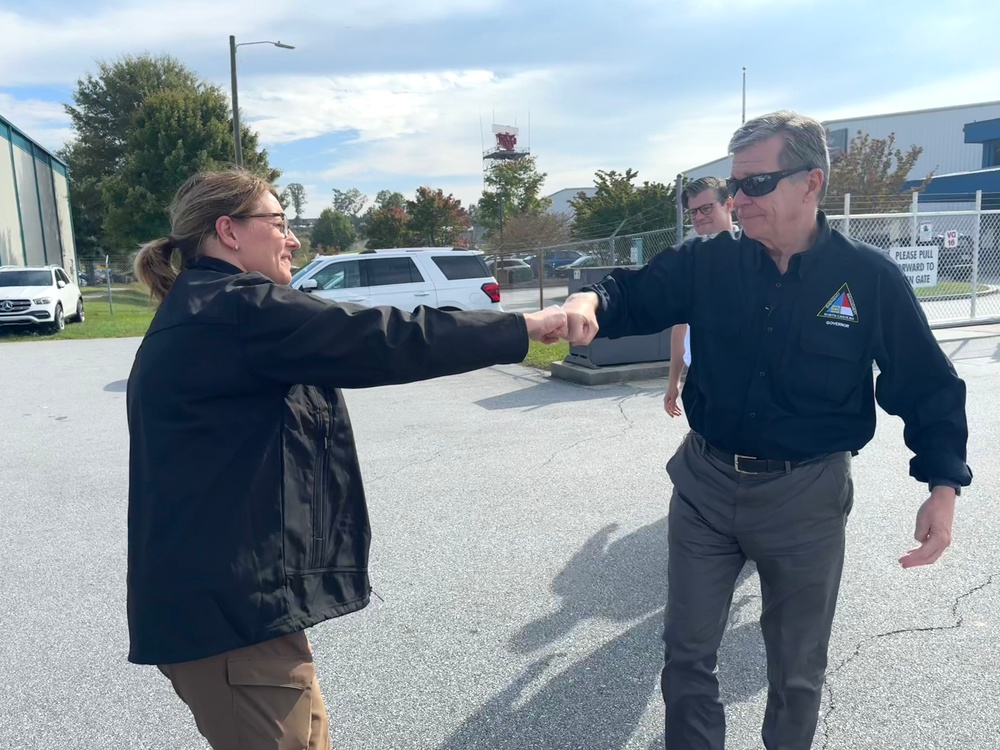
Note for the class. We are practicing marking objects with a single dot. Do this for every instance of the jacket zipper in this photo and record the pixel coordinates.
(319, 498)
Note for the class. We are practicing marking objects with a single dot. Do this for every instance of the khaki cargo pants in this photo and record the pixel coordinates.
(261, 697)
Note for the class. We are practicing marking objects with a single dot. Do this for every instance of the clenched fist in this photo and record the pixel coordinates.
(547, 326)
(581, 318)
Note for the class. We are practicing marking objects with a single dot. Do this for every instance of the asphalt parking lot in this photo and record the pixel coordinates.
(519, 553)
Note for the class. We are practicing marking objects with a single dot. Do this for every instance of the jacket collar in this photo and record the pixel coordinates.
(800, 263)
(205, 263)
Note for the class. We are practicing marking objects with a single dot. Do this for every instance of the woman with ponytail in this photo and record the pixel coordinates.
(247, 517)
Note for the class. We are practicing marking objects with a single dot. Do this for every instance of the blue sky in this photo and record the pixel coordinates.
(400, 93)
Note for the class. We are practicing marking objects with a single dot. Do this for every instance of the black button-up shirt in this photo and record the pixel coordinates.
(781, 364)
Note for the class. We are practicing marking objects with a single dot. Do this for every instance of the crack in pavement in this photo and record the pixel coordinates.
(959, 621)
(408, 466)
(630, 424)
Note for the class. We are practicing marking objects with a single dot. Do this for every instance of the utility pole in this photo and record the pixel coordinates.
(744, 95)
(237, 138)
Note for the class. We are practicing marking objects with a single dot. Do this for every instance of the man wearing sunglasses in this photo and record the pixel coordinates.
(709, 208)
(787, 321)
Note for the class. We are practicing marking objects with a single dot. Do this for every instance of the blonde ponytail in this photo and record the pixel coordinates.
(153, 268)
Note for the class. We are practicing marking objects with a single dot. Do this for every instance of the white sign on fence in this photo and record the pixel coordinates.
(951, 238)
(926, 231)
(919, 264)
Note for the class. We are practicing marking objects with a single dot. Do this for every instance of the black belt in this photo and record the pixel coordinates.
(752, 465)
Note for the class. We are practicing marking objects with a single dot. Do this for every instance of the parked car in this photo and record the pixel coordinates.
(510, 270)
(442, 277)
(39, 296)
(584, 261)
(552, 260)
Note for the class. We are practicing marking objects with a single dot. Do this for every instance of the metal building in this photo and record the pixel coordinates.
(941, 132)
(36, 227)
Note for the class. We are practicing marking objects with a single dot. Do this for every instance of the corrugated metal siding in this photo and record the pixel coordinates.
(940, 133)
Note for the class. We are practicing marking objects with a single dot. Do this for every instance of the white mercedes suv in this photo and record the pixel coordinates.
(39, 296)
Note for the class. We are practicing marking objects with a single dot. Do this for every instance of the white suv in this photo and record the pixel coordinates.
(406, 278)
(40, 295)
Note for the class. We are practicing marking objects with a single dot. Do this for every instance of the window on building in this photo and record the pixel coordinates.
(992, 149)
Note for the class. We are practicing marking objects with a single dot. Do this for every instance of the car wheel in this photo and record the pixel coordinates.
(59, 322)
(79, 317)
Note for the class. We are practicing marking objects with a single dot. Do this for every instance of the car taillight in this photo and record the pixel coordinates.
(492, 291)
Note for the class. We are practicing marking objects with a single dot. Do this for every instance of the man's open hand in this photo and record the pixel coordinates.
(934, 522)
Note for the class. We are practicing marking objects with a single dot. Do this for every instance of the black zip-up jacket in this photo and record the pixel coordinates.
(247, 516)
(781, 364)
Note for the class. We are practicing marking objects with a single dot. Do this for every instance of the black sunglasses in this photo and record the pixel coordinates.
(757, 185)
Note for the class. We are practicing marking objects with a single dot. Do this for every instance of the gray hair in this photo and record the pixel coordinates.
(805, 140)
(702, 184)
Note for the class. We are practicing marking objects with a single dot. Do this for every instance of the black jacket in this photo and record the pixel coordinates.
(247, 517)
(781, 364)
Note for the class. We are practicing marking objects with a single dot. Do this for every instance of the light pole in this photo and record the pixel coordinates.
(237, 138)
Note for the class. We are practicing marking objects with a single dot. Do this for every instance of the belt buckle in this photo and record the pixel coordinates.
(736, 463)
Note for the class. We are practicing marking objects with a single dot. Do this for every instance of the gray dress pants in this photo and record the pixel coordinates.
(792, 525)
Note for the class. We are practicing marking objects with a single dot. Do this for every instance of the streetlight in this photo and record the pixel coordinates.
(237, 138)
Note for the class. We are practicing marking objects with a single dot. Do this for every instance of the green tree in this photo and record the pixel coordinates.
(333, 230)
(874, 170)
(104, 107)
(516, 184)
(294, 195)
(620, 205)
(436, 219)
(350, 203)
(387, 227)
(383, 199)
(175, 134)
(107, 108)
(389, 199)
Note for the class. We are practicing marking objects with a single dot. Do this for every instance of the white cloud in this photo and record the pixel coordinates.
(48, 49)
(46, 123)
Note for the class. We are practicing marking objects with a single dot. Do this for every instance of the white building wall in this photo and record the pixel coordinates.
(939, 132)
(11, 247)
(561, 199)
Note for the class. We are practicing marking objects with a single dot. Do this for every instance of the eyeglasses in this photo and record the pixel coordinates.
(757, 185)
(703, 210)
(283, 227)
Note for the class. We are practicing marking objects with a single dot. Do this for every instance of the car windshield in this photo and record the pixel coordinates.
(302, 272)
(25, 278)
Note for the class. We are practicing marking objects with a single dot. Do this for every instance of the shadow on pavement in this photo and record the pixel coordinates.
(597, 702)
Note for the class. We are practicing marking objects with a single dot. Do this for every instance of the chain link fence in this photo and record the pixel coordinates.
(949, 252)
(110, 281)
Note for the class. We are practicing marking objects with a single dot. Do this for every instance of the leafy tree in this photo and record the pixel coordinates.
(294, 195)
(522, 232)
(174, 134)
(106, 153)
(516, 184)
(619, 205)
(333, 230)
(436, 219)
(874, 170)
(387, 227)
(103, 112)
(349, 202)
(383, 199)
(390, 199)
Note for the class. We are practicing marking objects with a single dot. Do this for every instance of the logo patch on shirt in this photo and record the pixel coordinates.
(841, 306)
